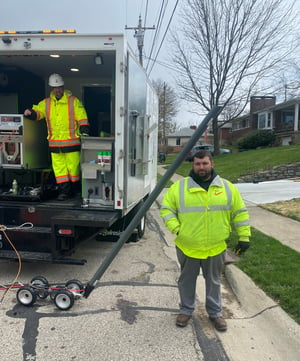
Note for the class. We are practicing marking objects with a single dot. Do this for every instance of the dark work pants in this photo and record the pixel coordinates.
(212, 268)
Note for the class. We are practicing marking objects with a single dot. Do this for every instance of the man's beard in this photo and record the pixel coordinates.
(204, 175)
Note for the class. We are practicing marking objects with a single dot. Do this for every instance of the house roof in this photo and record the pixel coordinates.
(184, 132)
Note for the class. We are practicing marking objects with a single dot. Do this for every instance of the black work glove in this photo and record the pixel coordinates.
(241, 247)
(84, 130)
(32, 116)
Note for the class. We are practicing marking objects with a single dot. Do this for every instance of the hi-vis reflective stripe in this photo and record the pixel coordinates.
(64, 143)
(185, 209)
(241, 224)
(48, 112)
(71, 116)
(62, 179)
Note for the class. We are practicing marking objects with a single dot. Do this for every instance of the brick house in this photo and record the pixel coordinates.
(282, 118)
(248, 122)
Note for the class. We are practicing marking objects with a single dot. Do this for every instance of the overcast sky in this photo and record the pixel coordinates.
(102, 16)
(98, 16)
(88, 16)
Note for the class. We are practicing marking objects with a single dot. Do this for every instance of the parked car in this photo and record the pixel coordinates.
(208, 147)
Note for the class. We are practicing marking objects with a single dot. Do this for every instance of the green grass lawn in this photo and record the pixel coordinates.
(273, 266)
(234, 165)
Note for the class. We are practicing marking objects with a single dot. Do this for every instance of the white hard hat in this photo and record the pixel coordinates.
(56, 80)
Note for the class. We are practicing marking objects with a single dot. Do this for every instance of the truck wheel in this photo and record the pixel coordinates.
(141, 227)
(64, 300)
(76, 287)
(40, 285)
(26, 296)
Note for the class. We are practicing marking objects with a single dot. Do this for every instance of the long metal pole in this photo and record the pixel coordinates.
(152, 197)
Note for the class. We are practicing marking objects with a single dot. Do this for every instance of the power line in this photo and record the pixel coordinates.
(173, 12)
(159, 22)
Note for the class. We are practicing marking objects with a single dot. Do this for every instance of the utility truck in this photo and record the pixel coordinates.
(118, 158)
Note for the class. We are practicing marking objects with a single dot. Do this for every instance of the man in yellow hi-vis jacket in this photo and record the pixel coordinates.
(66, 121)
(201, 210)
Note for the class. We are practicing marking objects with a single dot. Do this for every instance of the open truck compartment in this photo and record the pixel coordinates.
(118, 159)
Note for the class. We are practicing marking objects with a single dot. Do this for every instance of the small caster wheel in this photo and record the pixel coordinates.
(76, 287)
(41, 286)
(26, 295)
(64, 300)
(54, 291)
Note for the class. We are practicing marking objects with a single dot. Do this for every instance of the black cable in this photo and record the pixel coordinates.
(164, 36)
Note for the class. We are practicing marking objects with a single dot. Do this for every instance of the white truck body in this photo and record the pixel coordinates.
(122, 107)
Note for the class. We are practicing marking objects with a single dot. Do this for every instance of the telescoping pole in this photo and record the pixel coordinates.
(152, 197)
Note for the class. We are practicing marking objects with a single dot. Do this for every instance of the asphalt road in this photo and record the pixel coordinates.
(130, 315)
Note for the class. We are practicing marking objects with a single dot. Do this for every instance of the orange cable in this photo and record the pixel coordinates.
(2, 229)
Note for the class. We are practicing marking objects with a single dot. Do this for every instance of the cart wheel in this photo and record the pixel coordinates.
(26, 296)
(64, 300)
(141, 227)
(76, 287)
(54, 291)
(40, 285)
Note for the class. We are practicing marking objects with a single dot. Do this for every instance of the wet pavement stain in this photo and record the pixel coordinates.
(128, 310)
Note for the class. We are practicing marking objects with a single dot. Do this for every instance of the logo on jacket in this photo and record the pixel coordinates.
(217, 193)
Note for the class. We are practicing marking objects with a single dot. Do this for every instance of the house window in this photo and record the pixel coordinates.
(287, 117)
(240, 124)
(177, 141)
(269, 120)
(264, 120)
(244, 123)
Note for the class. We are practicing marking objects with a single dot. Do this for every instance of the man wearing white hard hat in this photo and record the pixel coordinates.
(66, 120)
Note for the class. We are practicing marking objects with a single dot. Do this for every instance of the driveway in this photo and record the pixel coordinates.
(271, 191)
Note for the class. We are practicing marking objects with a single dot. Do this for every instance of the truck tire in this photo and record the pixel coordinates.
(141, 227)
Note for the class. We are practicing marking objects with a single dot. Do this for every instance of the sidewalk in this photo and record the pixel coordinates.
(258, 329)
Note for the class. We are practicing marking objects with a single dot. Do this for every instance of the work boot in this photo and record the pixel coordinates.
(76, 188)
(64, 190)
(182, 320)
(219, 323)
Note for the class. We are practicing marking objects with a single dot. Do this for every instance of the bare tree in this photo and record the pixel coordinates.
(168, 108)
(224, 48)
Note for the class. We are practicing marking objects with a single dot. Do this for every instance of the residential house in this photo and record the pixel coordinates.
(244, 124)
(179, 138)
(282, 118)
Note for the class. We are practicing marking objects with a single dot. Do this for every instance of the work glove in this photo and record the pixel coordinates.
(30, 114)
(84, 130)
(241, 247)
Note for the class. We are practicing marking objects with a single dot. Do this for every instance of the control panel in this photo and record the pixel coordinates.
(11, 123)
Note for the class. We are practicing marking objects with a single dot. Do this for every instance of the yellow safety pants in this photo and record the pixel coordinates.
(66, 167)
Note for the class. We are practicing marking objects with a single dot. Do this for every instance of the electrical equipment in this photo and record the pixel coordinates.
(97, 171)
(23, 142)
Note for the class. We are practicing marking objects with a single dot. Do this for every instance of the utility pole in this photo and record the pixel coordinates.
(139, 35)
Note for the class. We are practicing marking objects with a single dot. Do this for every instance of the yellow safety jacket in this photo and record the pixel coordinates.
(64, 117)
(203, 219)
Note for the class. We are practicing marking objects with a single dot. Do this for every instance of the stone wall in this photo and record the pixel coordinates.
(280, 172)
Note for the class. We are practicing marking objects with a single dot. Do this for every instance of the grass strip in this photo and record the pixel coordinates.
(274, 268)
